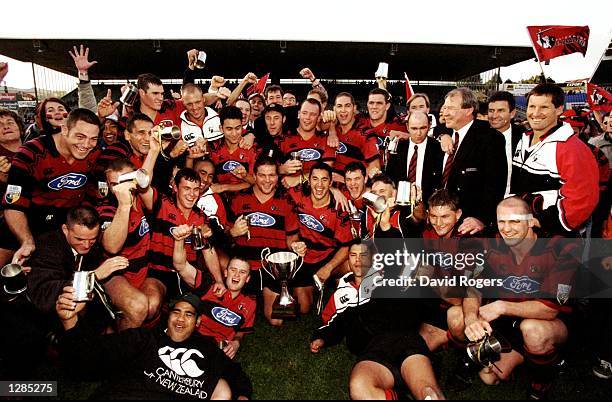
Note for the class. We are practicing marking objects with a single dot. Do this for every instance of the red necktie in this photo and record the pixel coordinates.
(449, 161)
(412, 168)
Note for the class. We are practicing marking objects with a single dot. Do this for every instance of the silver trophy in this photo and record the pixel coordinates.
(377, 202)
(140, 177)
(201, 60)
(168, 131)
(14, 280)
(282, 266)
(83, 284)
(198, 242)
(129, 96)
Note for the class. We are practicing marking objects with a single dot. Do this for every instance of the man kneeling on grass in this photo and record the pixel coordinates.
(228, 317)
(391, 355)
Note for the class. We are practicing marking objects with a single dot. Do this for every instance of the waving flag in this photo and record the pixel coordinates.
(599, 98)
(259, 86)
(3, 71)
(552, 41)
(409, 90)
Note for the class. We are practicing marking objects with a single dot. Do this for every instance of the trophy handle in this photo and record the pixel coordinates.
(264, 254)
(301, 259)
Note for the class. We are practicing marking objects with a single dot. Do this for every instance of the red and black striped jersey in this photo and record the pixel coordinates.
(311, 151)
(546, 273)
(324, 230)
(381, 132)
(355, 146)
(171, 110)
(270, 223)
(137, 243)
(168, 216)
(225, 162)
(223, 317)
(41, 178)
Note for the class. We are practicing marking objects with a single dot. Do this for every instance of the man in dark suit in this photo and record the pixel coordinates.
(418, 160)
(501, 112)
(476, 170)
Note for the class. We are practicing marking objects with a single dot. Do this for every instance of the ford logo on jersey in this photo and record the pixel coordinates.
(260, 219)
(70, 181)
(309, 154)
(523, 284)
(341, 148)
(225, 316)
(144, 227)
(230, 165)
(311, 222)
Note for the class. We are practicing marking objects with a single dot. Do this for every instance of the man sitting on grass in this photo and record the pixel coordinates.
(391, 355)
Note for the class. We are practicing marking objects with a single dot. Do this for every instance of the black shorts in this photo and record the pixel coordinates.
(510, 329)
(255, 284)
(392, 349)
(175, 286)
(434, 312)
(8, 241)
(302, 278)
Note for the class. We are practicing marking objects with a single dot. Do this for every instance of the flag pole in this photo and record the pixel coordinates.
(536, 53)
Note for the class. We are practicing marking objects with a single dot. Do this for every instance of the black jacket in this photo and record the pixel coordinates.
(53, 265)
(478, 174)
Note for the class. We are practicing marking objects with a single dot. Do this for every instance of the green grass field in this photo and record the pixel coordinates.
(281, 367)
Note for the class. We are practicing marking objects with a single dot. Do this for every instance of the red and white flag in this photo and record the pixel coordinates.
(259, 86)
(409, 90)
(550, 41)
(599, 98)
(3, 71)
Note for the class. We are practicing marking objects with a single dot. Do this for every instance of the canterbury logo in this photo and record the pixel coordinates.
(179, 361)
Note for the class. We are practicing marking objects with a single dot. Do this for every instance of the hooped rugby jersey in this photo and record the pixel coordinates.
(223, 317)
(270, 223)
(225, 162)
(355, 146)
(310, 151)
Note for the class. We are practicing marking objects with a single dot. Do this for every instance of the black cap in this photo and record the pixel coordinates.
(274, 107)
(188, 298)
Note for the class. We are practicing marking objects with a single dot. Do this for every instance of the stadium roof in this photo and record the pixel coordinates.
(118, 59)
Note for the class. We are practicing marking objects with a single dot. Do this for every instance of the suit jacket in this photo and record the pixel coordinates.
(53, 265)
(397, 167)
(478, 175)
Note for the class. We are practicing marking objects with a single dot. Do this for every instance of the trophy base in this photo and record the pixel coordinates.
(285, 312)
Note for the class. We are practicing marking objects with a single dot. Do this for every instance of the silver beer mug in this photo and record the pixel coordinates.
(14, 279)
(128, 96)
(140, 177)
(83, 283)
(168, 131)
(282, 266)
(377, 202)
(201, 60)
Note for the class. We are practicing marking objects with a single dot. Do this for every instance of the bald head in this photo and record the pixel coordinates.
(516, 204)
(418, 126)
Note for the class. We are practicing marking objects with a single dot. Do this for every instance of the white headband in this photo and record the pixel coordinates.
(515, 217)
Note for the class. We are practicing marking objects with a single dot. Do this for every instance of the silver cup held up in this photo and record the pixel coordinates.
(83, 283)
(129, 96)
(377, 202)
(201, 60)
(169, 131)
(198, 242)
(13, 279)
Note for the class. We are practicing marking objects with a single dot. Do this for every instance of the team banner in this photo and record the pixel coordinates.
(552, 41)
(599, 98)
(259, 87)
